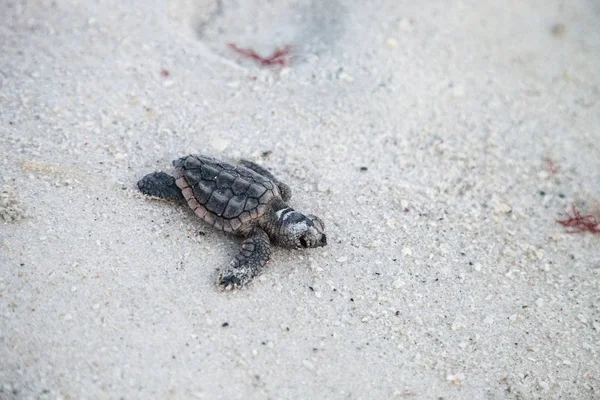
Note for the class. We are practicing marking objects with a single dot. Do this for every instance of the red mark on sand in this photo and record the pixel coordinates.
(551, 166)
(279, 57)
(165, 73)
(578, 223)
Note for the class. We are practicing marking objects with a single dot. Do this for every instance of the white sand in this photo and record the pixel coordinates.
(473, 293)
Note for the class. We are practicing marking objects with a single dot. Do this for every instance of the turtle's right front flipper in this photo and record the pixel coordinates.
(252, 258)
(161, 185)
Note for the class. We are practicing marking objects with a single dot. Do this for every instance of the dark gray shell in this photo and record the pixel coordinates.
(223, 195)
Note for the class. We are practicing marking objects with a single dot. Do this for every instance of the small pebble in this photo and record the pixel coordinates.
(539, 302)
(559, 30)
(458, 91)
(308, 365)
(342, 259)
(219, 143)
(405, 25)
(391, 43)
(503, 208)
(556, 236)
(515, 317)
(456, 325)
(344, 76)
(398, 283)
(546, 267)
(456, 379)
(543, 175)
(323, 187)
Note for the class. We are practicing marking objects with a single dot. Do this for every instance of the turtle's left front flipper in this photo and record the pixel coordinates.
(161, 185)
(253, 256)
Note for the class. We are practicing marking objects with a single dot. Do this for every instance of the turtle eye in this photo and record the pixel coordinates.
(303, 242)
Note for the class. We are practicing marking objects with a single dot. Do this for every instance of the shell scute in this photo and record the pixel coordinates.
(189, 163)
(193, 176)
(235, 224)
(256, 190)
(187, 193)
(268, 185)
(251, 204)
(240, 185)
(181, 182)
(209, 172)
(266, 197)
(210, 218)
(203, 190)
(193, 203)
(201, 211)
(225, 180)
(217, 202)
(235, 206)
(245, 217)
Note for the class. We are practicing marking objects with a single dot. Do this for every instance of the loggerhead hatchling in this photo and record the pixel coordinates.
(246, 200)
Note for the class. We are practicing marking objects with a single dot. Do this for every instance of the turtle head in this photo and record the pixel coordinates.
(300, 231)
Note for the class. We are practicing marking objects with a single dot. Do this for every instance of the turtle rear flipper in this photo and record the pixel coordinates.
(252, 258)
(161, 185)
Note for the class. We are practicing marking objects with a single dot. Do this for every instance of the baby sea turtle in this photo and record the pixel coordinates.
(244, 199)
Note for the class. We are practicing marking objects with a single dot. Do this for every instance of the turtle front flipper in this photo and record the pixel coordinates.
(161, 185)
(284, 190)
(252, 258)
